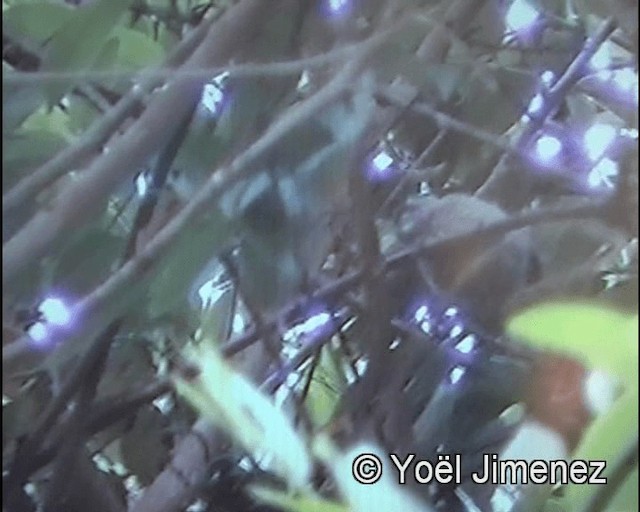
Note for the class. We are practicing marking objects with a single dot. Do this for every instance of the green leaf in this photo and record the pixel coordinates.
(86, 260)
(382, 496)
(605, 439)
(292, 503)
(77, 42)
(627, 496)
(326, 388)
(36, 21)
(600, 337)
(19, 101)
(137, 50)
(51, 120)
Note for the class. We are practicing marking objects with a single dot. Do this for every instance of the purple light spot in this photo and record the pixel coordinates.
(547, 148)
(337, 6)
(55, 311)
(381, 167)
(548, 78)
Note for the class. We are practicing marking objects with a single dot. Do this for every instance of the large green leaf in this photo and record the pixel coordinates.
(382, 496)
(602, 339)
(35, 21)
(77, 42)
(136, 50)
(327, 385)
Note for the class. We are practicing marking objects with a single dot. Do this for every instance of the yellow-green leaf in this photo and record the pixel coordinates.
(603, 339)
(596, 335)
(381, 496)
(293, 503)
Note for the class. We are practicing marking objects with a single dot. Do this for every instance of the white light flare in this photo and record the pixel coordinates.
(211, 291)
(601, 60)
(467, 344)
(456, 331)
(38, 332)
(315, 322)
(597, 140)
(141, 184)
(535, 105)
(213, 95)
(548, 78)
(521, 16)
(456, 373)
(547, 148)
(603, 174)
(421, 313)
(337, 6)
(55, 311)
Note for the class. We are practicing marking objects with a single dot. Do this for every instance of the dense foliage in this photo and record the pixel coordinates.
(245, 242)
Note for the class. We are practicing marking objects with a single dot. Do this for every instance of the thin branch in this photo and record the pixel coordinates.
(503, 173)
(387, 95)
